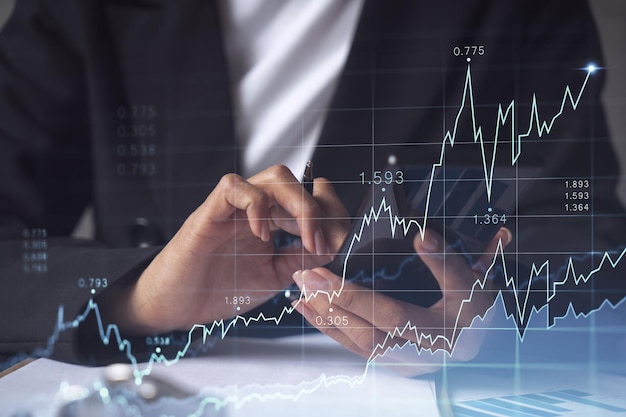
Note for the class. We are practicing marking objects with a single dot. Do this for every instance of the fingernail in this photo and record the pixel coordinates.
(320, 243)
(312, 281)
(509, 236)
(431, 242)
(265, 232)
(297, 278)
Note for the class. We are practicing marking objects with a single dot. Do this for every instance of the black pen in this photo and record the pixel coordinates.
(307, 178)
(293, 292)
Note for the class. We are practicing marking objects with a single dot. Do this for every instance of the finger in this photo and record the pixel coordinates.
(459, 283)
(283, 220)
(292, 257)
(449, 268)
(324, 290)
(502, 238)
(330, 203)
(235, 193)
(357, 336)
(286, 191)
(326, 198)
(337, 221)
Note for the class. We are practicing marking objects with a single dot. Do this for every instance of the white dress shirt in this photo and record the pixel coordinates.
(285, 58)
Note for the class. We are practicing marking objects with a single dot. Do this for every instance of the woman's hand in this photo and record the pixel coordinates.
(369, 323)
(224, 252)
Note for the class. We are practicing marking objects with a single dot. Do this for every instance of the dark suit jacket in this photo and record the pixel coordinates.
(126, 106)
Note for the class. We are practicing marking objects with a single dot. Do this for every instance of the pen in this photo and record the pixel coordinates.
(293, 292)
(307, 178)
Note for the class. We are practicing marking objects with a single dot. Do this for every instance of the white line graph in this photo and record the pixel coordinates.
(109, 333)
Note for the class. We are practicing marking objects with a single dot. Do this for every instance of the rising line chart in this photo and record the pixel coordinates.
(109, 333)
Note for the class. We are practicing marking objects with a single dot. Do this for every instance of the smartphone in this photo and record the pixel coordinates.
(455, 201)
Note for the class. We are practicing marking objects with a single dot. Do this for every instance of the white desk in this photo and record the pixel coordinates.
(579, 365)
(282, 377)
